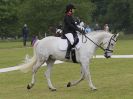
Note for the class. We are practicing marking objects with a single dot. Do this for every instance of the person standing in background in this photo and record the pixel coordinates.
(97, 27)
(87, 29)
(25, 32)
(59, 30)
(106, 28)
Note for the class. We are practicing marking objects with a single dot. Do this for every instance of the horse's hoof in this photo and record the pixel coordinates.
(28, 86)
(52, 89)
(94, 89)
(69, 84)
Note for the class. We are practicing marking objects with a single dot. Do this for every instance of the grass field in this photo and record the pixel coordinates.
(112, 77)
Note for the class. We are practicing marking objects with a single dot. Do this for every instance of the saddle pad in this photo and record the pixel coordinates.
(63, 44)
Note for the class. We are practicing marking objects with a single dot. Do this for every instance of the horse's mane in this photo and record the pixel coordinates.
(93, 33)
(96, 32)
(99, 32)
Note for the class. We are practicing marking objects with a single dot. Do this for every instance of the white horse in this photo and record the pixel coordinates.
(47, 50)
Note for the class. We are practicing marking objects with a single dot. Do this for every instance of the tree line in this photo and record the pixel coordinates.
(40, 15)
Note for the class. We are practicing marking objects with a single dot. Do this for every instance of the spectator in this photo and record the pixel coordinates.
(25, 32)
(77, 20)
(80, 24)
(106, 28)
(87, 29)
(59, 30)
(34, 38)
(97, 27)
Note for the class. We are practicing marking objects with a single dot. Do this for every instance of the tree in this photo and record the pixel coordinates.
(117, 13)
(42, 14)
(39, 15)
(8, 17)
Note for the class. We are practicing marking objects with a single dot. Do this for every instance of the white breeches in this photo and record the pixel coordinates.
(70, 37)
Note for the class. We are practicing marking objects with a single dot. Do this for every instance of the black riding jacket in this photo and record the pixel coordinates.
(69, 25)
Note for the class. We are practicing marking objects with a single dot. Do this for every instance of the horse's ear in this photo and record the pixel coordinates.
(116, 35)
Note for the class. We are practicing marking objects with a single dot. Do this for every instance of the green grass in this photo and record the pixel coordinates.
(112, 77)
(13, 53)
(124, 47)
(11, 45)
(125, 36)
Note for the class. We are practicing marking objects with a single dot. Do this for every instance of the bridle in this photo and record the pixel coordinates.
(108, 47)
(107, 50)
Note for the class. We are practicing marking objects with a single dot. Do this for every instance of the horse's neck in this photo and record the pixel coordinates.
(97, 37)
(96, 40)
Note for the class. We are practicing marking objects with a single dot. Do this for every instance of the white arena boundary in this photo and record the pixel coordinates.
(58, 62)
(114, 56)
(17, 67)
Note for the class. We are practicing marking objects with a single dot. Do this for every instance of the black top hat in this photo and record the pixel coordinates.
(70, 6)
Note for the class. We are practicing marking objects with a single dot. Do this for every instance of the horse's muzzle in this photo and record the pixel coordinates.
(107, 55)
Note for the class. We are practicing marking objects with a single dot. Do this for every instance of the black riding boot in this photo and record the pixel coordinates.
(76, 40)
(68, 51)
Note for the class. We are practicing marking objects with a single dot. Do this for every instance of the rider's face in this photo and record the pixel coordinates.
(73, 10)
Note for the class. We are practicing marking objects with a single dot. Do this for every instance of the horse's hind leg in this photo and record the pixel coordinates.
(34, 70)
(73, 83)
(50, 63)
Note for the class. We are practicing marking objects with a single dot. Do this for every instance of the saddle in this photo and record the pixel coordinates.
(63, 44)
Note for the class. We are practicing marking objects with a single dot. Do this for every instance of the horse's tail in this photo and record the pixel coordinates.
(28, 66)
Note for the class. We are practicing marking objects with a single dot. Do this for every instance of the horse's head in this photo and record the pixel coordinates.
(108, 44)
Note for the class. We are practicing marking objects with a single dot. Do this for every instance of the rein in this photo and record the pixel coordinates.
(107, 49)
(92, 42)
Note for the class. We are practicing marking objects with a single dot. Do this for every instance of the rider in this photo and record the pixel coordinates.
(70, 29)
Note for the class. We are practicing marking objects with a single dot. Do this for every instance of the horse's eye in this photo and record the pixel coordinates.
(112, 44)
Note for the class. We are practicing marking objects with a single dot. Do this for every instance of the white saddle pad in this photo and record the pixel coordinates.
(63, 44)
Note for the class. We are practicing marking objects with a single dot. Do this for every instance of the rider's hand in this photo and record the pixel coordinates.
(81, 31)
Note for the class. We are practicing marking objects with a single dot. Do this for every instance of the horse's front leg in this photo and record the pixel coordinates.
(86, 70)
(73, 83)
